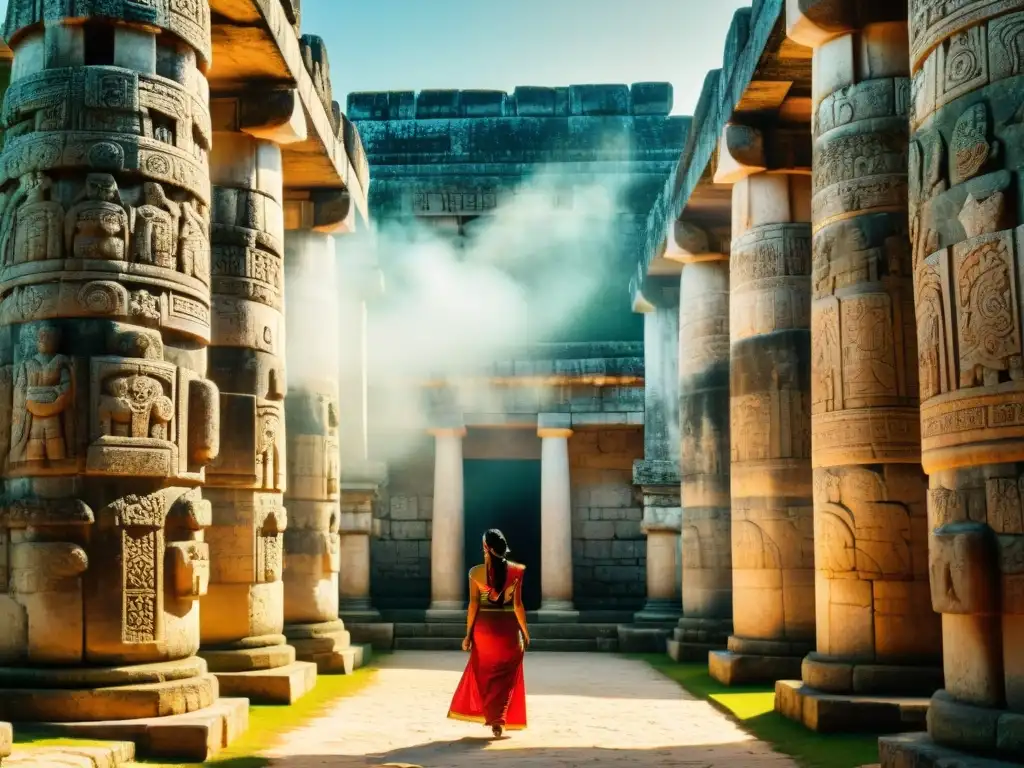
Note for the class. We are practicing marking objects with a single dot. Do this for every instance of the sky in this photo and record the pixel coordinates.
(384, 45)
(378, 45)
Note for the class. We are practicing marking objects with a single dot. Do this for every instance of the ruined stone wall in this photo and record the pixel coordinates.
(609, 548)
(400, 550)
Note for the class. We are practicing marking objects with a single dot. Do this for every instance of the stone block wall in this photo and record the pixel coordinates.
(400, 550)
(609, 549)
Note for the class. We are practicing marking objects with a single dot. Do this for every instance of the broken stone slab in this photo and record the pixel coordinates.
(840, 713)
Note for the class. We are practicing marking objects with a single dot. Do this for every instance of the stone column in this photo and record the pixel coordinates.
(965, 194)
(555, 519)
(704, 452)
(448, 574)
(657, 473)
(107, 419)
(312, 543)
(770, 380)
(876, 633)
(361, 478)
(243, 614)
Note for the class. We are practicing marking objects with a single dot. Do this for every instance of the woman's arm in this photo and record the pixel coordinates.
(474, 609)
(520, 610)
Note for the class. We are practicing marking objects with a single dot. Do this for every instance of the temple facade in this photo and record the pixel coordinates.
(540, 436)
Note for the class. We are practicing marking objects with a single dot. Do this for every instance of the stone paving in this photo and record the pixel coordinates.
(584, 709)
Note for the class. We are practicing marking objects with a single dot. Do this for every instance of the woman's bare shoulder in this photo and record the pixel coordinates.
(476, 573)
(518, 567)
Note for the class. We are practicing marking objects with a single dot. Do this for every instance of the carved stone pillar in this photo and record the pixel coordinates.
(657, 473)
(243, 613)
(312, 543)
(966, 227)
(106, 418)
(772, 512)
(555, 519)
(876, 633)
(704, 451)
(448, 574)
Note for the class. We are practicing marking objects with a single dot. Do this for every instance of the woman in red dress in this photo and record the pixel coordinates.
(492, 690)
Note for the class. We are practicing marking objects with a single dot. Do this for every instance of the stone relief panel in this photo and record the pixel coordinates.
(869, 497)
(965, 212)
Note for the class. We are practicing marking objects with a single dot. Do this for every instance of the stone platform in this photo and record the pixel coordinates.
(844, 713)
(643, 638)
(328, 645)
(917, 750)
(264, 675)
(193, 737)
(693, 639)
(731, 668)
(378, 634)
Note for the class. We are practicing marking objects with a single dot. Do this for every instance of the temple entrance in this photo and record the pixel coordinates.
(505, 494)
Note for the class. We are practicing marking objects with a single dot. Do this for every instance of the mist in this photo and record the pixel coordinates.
(456, 305)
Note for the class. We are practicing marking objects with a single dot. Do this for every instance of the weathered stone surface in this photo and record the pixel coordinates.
(839, 713)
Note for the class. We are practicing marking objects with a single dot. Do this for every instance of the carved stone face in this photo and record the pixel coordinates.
(101, 186)
(47, 340)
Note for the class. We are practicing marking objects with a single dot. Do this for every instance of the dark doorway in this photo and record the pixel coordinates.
(505, 494)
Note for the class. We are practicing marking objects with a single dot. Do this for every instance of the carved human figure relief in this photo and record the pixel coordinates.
(42, 419)
(135, 406)
(269, 469)
(38, 221)
(97, 226)
(931, 333)
(155, 236)
(194, 242)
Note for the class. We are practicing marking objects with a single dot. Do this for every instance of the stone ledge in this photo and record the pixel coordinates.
(380, 635)
(111, 755)
(282, 685)
(975, 729)
(194, 737)
(840, 713)
(681, 650)
(638, 639)
(731, 668)
(917, 750)
(831, 676)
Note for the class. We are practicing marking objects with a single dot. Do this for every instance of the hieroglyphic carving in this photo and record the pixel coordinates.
(967, 58)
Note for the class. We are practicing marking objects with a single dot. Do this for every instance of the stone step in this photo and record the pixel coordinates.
(111, 754)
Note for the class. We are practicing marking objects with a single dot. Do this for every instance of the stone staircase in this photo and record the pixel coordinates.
(593, 632)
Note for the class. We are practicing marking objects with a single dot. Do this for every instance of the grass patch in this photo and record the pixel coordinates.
(266, 724)
(754, 707)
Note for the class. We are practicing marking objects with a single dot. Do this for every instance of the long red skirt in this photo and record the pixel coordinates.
(492, 690)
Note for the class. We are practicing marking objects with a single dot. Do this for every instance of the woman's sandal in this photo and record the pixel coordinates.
(497, 731)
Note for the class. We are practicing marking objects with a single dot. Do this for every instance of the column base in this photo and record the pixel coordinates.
(730, 668)
(266, 674)
(380, 635)
(917, 750)
(194, 737)
(834, 676)
(844, 713)
(954, 725)
(6, 739)
(29, 694)
(694, 638)
(360, 610)
(328, 645)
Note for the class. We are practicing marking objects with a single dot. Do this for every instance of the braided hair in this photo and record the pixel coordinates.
(497, 573)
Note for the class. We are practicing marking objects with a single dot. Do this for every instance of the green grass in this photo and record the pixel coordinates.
(266, 724)
(753, 706)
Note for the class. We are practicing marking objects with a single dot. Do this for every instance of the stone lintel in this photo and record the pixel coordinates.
(812, 23)
(688, 243)
(656, 473)
(272, 114)
(329, 211)
(744, 151)
(256, 40)
(612, 419)
(662, 519)
(554, 425)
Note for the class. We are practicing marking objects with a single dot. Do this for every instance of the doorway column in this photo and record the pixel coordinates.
(555, 517)
(447, 559)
